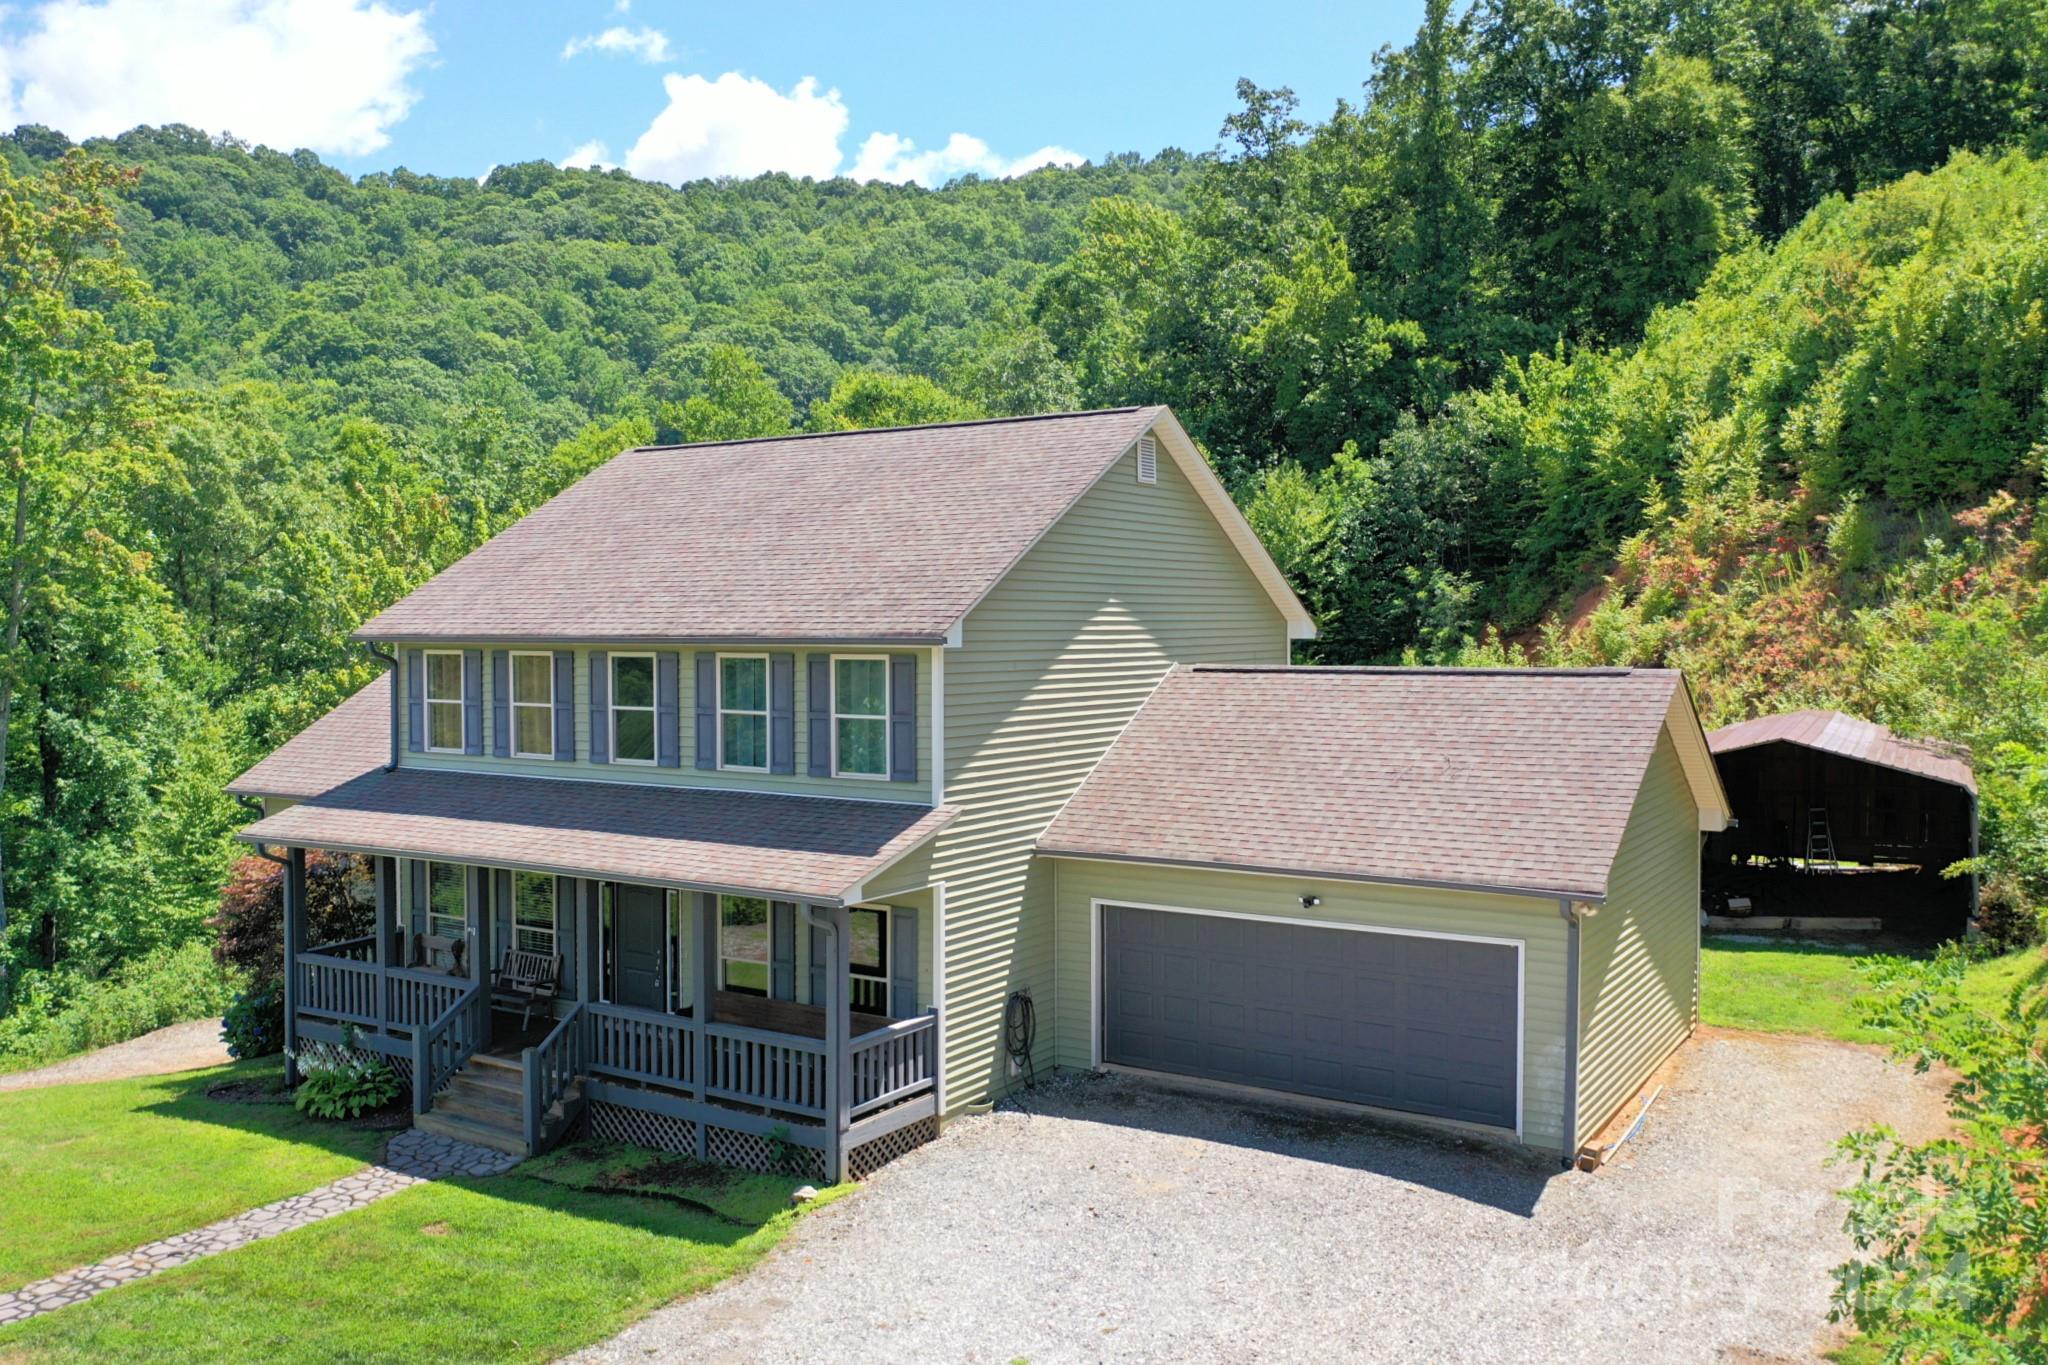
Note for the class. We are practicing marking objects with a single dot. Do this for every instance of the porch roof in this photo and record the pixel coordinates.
(809, 848)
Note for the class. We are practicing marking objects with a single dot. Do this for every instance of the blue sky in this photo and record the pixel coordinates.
(674, 90)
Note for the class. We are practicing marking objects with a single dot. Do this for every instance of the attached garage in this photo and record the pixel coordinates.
(1466, 896)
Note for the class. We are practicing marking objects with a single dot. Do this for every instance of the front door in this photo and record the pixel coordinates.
(639, 928)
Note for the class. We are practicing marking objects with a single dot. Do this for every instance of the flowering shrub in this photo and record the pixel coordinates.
(254, 1023)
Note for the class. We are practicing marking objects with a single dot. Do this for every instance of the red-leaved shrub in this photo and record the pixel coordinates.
(339, 905)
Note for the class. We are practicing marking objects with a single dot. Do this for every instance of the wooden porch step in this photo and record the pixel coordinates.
(444, 1124)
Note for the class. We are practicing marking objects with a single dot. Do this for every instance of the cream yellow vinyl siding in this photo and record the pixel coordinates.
(688, 775)
(1536, 924)
(1639, 956)
(1052, 663)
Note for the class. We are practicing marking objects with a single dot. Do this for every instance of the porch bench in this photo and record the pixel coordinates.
(524, 980)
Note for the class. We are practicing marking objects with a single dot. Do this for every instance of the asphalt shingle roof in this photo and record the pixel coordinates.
(797, 846)
(1500, 778)
(1832, 732)
(861, 535)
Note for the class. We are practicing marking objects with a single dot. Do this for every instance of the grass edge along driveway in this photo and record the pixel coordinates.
(1810, 989)
(517, 1267)
(92, 1170)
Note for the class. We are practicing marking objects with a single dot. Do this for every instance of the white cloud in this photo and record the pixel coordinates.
(737, 125)
(740, 125)
(886, 156)
(648, 44)
(592, 155)
(325, 74)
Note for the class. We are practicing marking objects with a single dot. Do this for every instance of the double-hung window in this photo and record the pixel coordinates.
(533, 912)
(868, 965)
(633, 708)
(447, 900)
(860, 715)
(444, 700)
(743, 944)
(533, 705)
(743, 712)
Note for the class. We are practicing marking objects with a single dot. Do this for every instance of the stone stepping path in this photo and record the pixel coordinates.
(409, 1158)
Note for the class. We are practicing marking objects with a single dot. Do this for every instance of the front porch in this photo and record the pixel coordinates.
(754, 1077)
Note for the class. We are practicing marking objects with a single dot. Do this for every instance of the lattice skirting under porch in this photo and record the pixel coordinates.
(666, 1133)
(316, 1055)
(870, 1157)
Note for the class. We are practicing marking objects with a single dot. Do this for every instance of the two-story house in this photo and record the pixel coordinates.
(748, 750)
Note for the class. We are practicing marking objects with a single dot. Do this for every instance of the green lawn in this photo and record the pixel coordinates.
(521, 1267)
(90, 1170)
(1812, 988)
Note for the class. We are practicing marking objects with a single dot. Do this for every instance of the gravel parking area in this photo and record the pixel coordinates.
(179, 1047)
(1120, 1220)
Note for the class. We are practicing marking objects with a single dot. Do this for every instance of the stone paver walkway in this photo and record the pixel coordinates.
(409, 1158)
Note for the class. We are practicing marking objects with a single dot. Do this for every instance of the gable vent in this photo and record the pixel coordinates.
(1148, 460)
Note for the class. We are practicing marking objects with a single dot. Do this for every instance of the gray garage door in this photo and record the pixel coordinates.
(1425, 1025)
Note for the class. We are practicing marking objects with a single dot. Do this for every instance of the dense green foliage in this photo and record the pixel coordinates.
(1951, 1234)
(56, 1017)
(345, 1087)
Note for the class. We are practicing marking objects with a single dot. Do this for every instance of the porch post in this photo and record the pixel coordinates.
(294, 929)
(482, 958)
(705, 906)
(838, 1041)
(587, 964)
(380, 931)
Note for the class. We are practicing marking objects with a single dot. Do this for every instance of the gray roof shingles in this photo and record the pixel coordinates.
(796, 846)
(863, 536)
(1503, 778)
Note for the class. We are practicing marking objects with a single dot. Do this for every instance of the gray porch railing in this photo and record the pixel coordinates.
(440, 1049)
(337, 987)
(637, 1045)
(550, 1067)
(420, 997)
(756, 1066)
(893, 1063)
(362, 949)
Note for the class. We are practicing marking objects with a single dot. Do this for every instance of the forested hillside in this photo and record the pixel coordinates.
(1737, 304)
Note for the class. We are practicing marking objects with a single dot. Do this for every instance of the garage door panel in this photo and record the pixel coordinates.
(1395, 1020)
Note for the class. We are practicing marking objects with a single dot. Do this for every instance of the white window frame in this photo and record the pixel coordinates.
(512, 700)
(767, 963)
(881, 976)
(652, 708)
(553, 927)
(460, 701)
(427, 915)
(888, 708)
(767, 706)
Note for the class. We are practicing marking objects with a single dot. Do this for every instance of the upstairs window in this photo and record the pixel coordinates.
(533, 706)
(743, 944)
(533, 912)
(444, 700)
(743, 712)
(860, 716)
(633, 708)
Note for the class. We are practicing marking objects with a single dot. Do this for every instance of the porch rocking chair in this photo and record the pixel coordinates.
(427, 950)
(524, 980)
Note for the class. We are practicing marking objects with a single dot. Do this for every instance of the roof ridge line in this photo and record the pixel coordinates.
(876, 431)
(1424, 670)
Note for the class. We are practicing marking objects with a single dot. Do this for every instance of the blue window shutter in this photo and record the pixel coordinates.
(818, 704)
(565, 932)
(821, 954)
(501, 703)
(472, 701)
(600, 707)
(902, 961)
(565, 705)
(707, 709)
(501, 901)
(903, 718)
(782, 950)
(419, 897)
(668, 724)
(782, 713)
(416, 699)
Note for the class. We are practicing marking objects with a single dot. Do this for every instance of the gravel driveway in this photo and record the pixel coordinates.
(179, 1047)
(1118, 1220)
